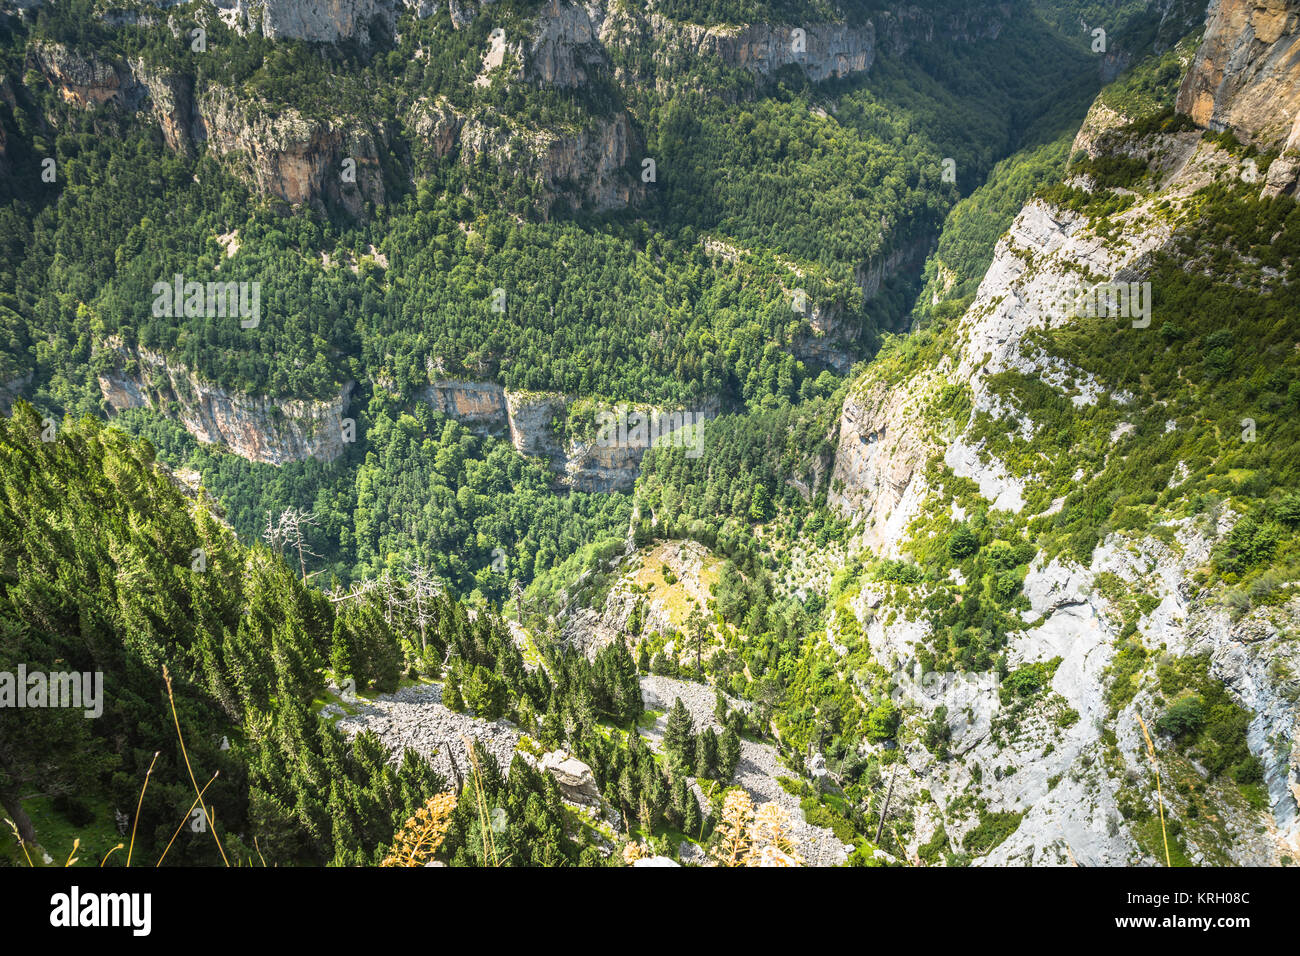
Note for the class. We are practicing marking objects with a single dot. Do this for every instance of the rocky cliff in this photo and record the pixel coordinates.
(822, 50)
(1246, 76)
(327, 21)
(536, 423)
(1246, 79)
(266, 430)
(908, 434)
(479, 405)
(283, 153)
(586, 165)
(82, 79)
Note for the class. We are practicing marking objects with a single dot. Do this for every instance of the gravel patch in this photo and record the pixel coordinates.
(415, 717)
(758, 768)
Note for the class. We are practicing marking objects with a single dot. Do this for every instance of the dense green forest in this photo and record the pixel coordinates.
(461, 273)
(796, 240)
(629, 309)
(110, 566)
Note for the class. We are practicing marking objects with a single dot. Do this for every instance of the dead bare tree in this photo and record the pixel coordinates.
(272, 535)
(425, 586)
(390, 591)
(358, 591)
(289, 530)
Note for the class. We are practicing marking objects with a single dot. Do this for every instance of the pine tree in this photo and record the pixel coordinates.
(680, 795)
(343, 653)
(728, 754)
(451, 697)
(691, 823)
(706, 754)
(678, 741)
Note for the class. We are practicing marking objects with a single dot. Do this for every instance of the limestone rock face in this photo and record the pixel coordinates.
(280, 152)
(592, 165)
(82, 79)
(1246, 75)
(565, 49)
(822, 50)
(271, 431)
(318, 20)
(170, 100)
(881, 454)
(586, 167)
(436, 126)
(325, 21)
(531, 419)
(604, 469)
(531, 433)
(893, 426)
(479, 405)
(287, 155)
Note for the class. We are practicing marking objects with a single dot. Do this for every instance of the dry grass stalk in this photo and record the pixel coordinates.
(207, 815)
(1160, 797)
(22, 844)
(139, 804)
(185, 819)
(420, 837)
(754, 838)
(484, 816)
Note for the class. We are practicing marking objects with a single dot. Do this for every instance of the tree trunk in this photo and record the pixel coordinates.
(14, 807)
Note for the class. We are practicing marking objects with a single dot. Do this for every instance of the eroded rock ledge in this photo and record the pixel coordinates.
(262, 429)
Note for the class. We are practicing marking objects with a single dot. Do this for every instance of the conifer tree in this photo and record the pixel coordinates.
(691, 822)
(728, 754)
(451, 696)
(706, 754)
(678, 740)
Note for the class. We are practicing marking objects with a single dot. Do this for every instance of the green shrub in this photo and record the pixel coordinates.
(962, 542)
(1185, 716)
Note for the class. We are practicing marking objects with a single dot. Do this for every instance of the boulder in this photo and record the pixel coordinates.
(577, 782)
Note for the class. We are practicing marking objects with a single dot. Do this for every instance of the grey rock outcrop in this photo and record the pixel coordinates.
(585, 167)
(1246, 76)
(262, 429)
(287, 155)
(479, 405)
(576, 781)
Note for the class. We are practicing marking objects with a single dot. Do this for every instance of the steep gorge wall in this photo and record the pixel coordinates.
(894, 425)
(1246, 75)
(530, 421)
(281, 152)
(261, 429)
(286, 154)
(1246, 79)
